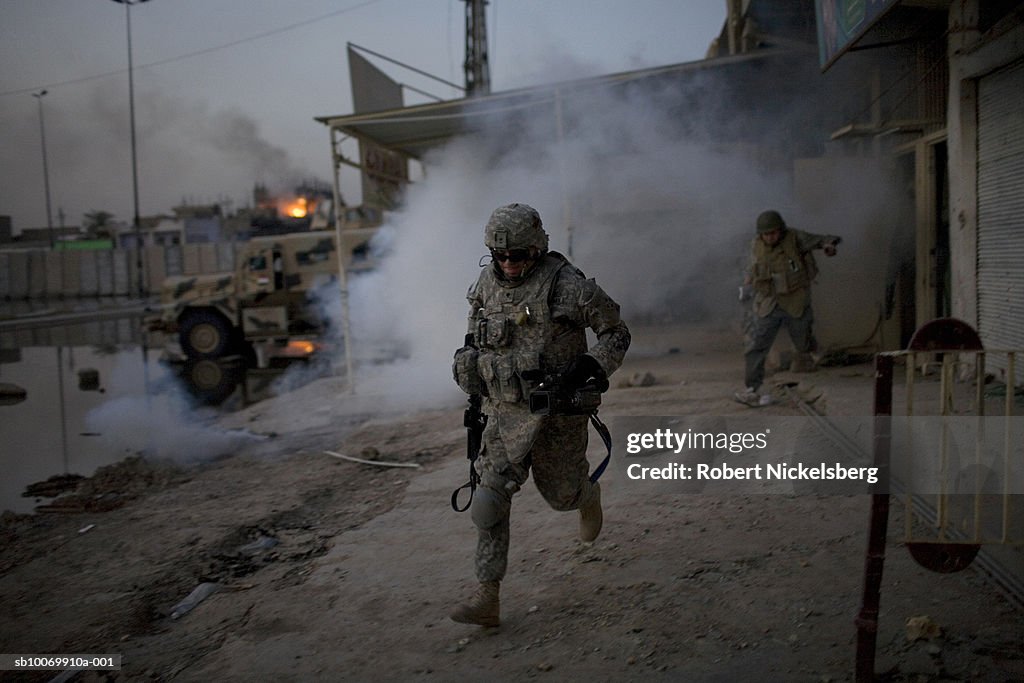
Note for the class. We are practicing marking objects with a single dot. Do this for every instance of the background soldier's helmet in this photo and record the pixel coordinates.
(516, 226)
(768, 221)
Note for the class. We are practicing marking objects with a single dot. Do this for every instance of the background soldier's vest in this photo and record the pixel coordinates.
(521, 333)
(782, 269)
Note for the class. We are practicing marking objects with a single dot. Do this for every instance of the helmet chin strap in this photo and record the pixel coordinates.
(530, 263)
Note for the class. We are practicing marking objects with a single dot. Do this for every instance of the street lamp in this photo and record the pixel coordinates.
(135, 165)
(46, 173)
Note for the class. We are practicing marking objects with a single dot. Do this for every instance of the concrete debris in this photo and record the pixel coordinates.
(639, 379)
(53, 487)
(922, 627)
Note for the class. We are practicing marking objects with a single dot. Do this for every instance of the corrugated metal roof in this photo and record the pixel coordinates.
(414, 130)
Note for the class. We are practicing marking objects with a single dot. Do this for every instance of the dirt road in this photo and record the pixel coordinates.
(332, 570)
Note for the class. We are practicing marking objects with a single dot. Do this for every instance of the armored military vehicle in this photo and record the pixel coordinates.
(267, 297)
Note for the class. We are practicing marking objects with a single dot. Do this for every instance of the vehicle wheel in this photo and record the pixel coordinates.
(205, 334)
(210, 381)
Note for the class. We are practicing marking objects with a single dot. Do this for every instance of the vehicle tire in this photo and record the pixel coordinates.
(206, 334)
(212, 382)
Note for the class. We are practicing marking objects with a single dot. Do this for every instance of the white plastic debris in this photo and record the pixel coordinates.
(200, 593)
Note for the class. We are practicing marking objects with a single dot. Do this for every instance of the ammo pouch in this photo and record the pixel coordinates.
(492, 332)
(464, 368)
(499, 375)
(780, 282)
(792, 277)
(502, 374)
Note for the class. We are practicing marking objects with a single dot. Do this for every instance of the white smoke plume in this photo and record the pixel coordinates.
(645, 224)
(162, 424)
(650, 203)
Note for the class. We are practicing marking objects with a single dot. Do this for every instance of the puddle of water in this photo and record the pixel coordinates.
(47, 433)
(96, 393)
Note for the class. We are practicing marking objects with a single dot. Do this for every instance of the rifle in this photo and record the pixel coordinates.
(552, 398)
(474, 420)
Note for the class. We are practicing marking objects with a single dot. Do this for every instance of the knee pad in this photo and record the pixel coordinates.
(489, 507)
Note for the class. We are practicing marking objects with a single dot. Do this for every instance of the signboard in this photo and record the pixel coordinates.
(384, 172)
(841, 23)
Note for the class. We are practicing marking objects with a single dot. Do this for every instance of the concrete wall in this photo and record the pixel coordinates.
(45, 274)
(87, 333)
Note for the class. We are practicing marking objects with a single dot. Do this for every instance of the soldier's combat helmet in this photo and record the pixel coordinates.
(516, 226)
(768, 221)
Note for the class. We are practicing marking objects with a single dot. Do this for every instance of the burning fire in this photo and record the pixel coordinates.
(298, 208)
(297, 347)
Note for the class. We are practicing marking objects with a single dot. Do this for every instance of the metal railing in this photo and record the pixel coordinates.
(952, 505)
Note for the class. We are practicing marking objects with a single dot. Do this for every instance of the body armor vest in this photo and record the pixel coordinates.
(782, 269)
(523, 332)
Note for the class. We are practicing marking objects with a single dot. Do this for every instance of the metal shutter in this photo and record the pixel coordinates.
(1001, 210)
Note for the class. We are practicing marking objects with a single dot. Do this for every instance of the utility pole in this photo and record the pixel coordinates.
(135, 164)
(46, 173)
(478, 71)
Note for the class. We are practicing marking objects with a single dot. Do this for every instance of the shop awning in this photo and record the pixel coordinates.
(413, 130)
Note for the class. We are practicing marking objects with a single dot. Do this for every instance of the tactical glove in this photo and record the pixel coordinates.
(465, 371)
(583, 370)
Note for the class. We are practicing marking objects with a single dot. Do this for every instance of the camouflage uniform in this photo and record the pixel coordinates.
(781, 276)
(525, 330)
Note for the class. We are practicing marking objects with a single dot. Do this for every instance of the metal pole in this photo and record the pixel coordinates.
(563, 174)
(339, 209)
(135, 163)
(63, 416)
(46, 173)
(135, 166)
(874, 560)
(478, 71)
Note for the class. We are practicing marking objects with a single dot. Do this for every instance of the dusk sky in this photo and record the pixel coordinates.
(226, 90)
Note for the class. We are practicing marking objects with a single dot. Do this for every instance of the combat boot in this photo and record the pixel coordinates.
(482, 609)
(591, 516)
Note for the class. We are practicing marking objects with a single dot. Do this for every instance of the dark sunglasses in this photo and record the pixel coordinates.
(513, 255)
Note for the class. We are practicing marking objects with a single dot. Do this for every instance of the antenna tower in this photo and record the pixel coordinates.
(478, 71)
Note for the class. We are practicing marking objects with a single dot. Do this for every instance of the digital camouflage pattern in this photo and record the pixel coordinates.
(560, 471)
(526, 330)
(516, 226)
(532, 329)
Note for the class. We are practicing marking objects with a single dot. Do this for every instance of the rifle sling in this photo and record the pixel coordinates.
(606, 437)
(473, 479)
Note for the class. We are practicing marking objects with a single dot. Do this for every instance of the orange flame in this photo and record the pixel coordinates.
(300, 347)
(297, 208)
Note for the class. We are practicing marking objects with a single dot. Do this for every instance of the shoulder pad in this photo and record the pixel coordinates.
(588, 290)
(556, 255)
(566, 262)
(471, 292)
